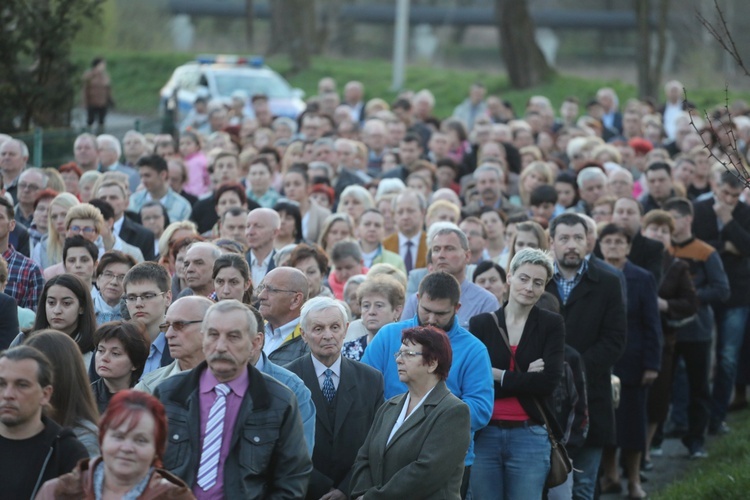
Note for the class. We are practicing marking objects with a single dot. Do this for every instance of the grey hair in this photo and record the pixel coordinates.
(38, 171)
(215, 250)
(230, 305)
(111, 140)
(22, 147)
(390, 185)
(283, 253)
(488, 167)
(591, 174)
(321, 304)
(621, 170)
(535, 257)
(444, 227)
(420, 198)
(357, 279)
(358, 192)
(136, 134)
(321, 164)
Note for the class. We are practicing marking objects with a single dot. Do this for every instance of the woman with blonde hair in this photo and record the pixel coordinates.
(354, 201)
(49, 250)
(534, 175)
(336, 227)
(292, 155)
(529, 234)
(172, 233)
(86, 185)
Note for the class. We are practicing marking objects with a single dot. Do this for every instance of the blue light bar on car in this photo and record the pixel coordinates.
(252, 61)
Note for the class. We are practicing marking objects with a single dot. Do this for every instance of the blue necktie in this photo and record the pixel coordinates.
(408, 258)
(329, 391)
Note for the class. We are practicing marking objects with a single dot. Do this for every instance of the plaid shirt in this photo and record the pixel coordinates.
(565, 286)
(25, 280)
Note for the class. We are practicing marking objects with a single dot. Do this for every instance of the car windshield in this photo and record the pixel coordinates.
(269, 84)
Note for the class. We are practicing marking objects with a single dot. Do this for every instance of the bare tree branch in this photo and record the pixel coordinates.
(721, 33)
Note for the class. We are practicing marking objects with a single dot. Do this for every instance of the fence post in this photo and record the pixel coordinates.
(137, 125)
(38, 144)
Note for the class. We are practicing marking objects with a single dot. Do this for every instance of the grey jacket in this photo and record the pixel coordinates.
(268, 457)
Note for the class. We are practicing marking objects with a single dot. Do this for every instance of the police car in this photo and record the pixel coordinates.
(218, 76)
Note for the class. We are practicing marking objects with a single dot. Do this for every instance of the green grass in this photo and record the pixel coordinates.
(138, 76)
(725, 474)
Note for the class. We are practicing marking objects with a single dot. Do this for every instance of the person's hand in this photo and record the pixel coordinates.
(536, 366)
(663, 304)
(723, 211)
(649, 376)
(334, 494)
(497, 374)
(729, 247)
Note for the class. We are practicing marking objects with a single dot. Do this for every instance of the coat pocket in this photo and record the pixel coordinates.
(257, 445)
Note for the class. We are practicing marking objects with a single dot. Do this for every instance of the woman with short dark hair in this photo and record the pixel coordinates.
(427, 430)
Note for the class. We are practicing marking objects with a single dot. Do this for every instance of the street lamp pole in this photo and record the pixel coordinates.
(400, 44)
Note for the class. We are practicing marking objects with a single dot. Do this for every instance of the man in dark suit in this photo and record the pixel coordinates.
(723, 221)
(130, 231)
(594, 311)
(644, 252)
(346, 394)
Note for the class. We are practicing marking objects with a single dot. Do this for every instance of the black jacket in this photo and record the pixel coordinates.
(543, 337)
(137, 235)
(268, 455)
(205, 216)
(736, 232)
(595, 326)
(341, 426)
(8, 320)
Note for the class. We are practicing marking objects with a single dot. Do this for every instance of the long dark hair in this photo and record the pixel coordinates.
(86, 320)
(237, 262)
(70, 403)
(291, 208)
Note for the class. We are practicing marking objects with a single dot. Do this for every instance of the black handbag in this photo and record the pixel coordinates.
(560, 465)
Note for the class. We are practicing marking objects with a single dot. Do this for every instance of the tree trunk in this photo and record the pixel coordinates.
(649, 63)
(524, 62)
(249, 17)
(301, 34)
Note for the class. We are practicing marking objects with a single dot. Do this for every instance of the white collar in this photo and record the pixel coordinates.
(320, 368)
(414, 240)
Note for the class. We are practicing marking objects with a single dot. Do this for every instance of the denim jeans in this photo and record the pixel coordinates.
(510, 463)
(587, 460)
(730, 328)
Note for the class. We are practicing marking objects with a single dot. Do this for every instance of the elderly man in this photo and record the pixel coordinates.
(85, 152)
(410, 241)
(233, 432)
(13, 157)
(470, 376)
(182, 327)
(591, 182)
(354, 93)
(34, 448)
(620, 182)
(134, 146)
(375, 135)
(346, 394)
(281, 295)
(490, 183)
(261, 228)
(110, 151)
(199, 266)
(30, 182)
(350, 170)
(449, 252)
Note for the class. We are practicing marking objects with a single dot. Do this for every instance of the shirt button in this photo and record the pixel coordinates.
(176, 436)
(256, 439)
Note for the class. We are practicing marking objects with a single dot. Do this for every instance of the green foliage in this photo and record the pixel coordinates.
(725, 474)
(137, 78)
(39, 80)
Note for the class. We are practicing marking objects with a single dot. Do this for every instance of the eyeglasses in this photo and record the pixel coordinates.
(84, 230)
(270, 289)
(146, 297)
(109, 276)
(178, 325)
(406, 354)
(29, 187)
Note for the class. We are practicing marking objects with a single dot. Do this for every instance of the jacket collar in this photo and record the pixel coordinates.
(256, 388)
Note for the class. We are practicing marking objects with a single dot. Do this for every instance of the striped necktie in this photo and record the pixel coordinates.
(209, 465)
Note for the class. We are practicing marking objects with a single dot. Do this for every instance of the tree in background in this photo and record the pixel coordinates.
(524, 61)
(650, 61)
(293, 31)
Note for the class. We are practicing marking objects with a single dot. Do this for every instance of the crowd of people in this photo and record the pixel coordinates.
(370, 302)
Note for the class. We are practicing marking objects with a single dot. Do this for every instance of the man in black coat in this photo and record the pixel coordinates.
(116, 194)
(595, 324)
(346, 394)
(723, 221)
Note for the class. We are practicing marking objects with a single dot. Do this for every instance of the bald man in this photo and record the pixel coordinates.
(261, 228)
(281, 295)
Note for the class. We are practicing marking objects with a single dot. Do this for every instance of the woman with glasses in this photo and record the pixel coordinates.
(418, 440)
(108, 290)
(526, 346)
(121, 352)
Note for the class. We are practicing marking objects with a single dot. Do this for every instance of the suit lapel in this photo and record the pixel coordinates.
(419, 414)
(344, 394)
(390, 416)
